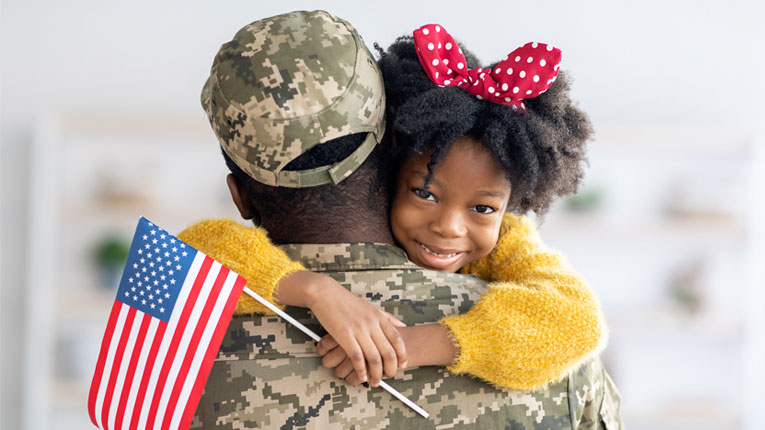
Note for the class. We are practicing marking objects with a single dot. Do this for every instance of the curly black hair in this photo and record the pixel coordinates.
(542, 152)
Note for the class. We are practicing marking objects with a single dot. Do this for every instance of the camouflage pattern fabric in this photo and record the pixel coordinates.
(268, 376)
(288, 83)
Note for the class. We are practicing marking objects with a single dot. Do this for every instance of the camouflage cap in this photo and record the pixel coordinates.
(288, 83)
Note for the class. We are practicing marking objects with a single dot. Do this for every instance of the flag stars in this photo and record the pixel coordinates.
(164, 245)
(159, 301)
(127, 294)
(135, 265)
(153, 273)
(167, 295)
(152, 305)
(135, 297)
(142, 261)
(159, 259)
(156, 291)
(140, 251)
(145, 237)
(167, 254)
(140, 283)
(147, 246)
(149, 255)
(175, 249)
(163, 276)
(172, 281)
(162, 310)
(164, 287)
(143, 302)
(130, 280)
(132, 289)
(151, 264)
(156, 250)
(184, 253)
(154, 241)
(177, 258)
(153, 232)
(172, 240)
(156, 282)
(162, 236)
(170, 272)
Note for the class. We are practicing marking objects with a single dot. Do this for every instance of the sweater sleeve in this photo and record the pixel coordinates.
(538, 320)
(248, 252)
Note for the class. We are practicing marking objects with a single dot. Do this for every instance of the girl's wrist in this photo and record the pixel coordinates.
(297, 289)
(428, 345)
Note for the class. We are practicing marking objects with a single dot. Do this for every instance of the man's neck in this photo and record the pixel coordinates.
(329, 231)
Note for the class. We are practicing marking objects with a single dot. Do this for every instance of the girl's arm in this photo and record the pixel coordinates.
(234, 245)
(365, 331)
(538, 320)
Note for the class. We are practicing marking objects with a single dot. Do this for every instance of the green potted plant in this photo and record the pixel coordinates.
(109, 256)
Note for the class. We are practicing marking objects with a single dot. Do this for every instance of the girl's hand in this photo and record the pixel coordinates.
(365, 333)
(427, 345)
(334, 357)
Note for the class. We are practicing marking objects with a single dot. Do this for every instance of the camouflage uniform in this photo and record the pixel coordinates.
(268, 375)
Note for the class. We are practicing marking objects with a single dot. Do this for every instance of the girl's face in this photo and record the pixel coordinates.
(456, 220)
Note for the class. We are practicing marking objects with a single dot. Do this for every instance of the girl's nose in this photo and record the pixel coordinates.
(449, 223)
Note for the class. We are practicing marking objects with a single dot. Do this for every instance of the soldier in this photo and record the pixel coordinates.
(297, 103)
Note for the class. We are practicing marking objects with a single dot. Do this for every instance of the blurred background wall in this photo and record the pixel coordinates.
(651, 74)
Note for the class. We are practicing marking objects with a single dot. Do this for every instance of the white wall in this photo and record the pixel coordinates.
(647, 62)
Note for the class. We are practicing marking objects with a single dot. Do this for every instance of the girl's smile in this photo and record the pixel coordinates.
(455, 219)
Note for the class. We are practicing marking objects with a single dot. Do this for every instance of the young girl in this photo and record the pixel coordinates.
(473, 147)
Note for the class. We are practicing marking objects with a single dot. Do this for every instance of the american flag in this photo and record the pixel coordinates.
(172, 309)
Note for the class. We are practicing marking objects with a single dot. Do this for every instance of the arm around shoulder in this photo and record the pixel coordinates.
(538, 320)
(247, 251)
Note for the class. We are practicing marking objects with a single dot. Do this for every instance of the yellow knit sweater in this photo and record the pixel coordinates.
(537, 321)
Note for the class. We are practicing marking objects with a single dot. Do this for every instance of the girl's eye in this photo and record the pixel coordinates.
(483, 209)
(424, 194)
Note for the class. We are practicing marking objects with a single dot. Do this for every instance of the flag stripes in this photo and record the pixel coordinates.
(207, 360)
(101, 362)
(129, 383)
(150, 374)
(178, 321)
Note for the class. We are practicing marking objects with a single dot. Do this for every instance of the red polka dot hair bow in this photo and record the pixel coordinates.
(525, 73)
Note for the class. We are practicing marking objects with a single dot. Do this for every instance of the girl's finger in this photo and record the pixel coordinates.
(326, 344)
(333, 358)
(344, 369)
(373, 368)
(397, 342)
(392, 319)
(353, 379)
(386, 351)
(356, 354)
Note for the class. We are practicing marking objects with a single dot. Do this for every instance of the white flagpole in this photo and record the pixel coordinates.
(315, 337)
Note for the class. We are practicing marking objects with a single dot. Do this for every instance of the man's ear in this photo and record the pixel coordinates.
(246, 210)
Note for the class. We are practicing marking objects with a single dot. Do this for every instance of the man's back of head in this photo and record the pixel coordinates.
(297, 103)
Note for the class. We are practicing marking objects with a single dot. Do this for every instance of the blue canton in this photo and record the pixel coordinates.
(156, 268)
